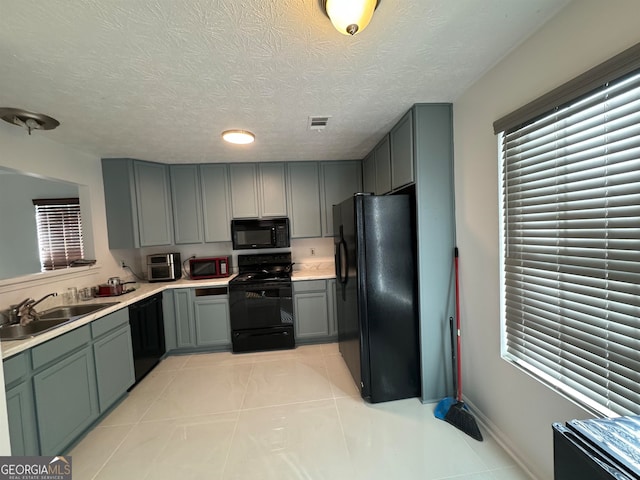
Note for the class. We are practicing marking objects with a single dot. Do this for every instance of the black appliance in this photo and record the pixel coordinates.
(261, 306)
(603, 448)
(376, 295)
(264, 233)
(147, 334)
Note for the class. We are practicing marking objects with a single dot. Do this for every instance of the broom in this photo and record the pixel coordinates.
(444, 405)
(458, 414)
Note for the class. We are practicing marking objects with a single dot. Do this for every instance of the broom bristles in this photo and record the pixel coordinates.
(463, 420)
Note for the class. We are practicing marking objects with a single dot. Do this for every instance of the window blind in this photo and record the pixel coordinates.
(571, 206)
(59, 227)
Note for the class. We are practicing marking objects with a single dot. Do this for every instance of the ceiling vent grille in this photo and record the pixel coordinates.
(318, 123)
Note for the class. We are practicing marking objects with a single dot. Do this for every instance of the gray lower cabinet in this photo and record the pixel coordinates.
(21, 412)
(212, 321)
(23, 429)
(313, 311)
(66, 400)
(185, 325)
(303, 197)
(402, 154)
(58, 389)
(138, 203)
(114, 365)
(339, 180)
(333, 313)
(202, 317)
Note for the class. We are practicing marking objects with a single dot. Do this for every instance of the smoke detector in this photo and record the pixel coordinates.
(318, 122)
(28, 120)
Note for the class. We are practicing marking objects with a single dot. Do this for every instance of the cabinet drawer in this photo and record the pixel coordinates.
(16, 368)
(60, 346)
(109, 322)
(310, 286)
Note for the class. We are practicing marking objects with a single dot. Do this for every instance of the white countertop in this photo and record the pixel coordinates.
(144, 289)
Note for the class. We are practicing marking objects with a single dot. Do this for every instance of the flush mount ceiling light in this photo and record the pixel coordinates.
(350, 16)
(239, 137)
(28, 120)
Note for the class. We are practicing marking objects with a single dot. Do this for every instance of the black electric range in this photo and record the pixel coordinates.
(261, 303)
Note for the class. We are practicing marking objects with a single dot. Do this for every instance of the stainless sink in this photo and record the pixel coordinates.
(18, 332)
(50, 319)
(70, 311)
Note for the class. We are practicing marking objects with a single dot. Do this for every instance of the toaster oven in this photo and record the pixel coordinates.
(164, 267)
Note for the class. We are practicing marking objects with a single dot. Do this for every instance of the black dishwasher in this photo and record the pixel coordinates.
(147, 334)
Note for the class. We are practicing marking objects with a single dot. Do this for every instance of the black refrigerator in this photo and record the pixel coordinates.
(376, 295)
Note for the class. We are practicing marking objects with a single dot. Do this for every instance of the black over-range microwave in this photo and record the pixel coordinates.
(260, 233)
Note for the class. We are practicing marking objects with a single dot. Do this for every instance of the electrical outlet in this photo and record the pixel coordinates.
(313, 251)
(122, 264)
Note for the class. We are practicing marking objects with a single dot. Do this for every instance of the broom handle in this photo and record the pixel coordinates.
(458, 358)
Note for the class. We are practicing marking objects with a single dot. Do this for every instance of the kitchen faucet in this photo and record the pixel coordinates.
(24, 311)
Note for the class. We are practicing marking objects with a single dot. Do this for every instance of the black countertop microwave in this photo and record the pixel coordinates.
(260, 233)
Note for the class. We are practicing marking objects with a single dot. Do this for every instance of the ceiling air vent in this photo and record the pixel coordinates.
(318, 123)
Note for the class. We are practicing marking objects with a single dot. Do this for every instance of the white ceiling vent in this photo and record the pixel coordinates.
(318, 123)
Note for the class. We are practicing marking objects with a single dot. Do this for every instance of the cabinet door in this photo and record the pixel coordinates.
(273, 199)
(66, 401)
(187, 204)
(332, 306)
(114, 366)
(402, 152)
(212, 322)
(303, 193)
(244, 190)
(369, 174)
(215, 203)
(120, 203)
(311, 315)
(382, 158)
(154, 204)
(340, 180)
(21, 414)
(184, 318)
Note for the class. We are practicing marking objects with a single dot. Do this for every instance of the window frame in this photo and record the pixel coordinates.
(613, 70)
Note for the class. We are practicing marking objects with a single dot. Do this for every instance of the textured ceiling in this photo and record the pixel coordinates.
(160, 80)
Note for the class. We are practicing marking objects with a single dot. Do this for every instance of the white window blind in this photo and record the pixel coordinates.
(571, 206)
(59, 232)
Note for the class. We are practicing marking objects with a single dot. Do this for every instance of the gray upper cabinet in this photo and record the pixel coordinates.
(138, 203)
(340, 180)
(187, 204)
(244, 190)
(382, 160)
(271, 184)
(154, 204)
(258, 190)
(215, 202)
(369, 174)
(303, 196)
(402, 155)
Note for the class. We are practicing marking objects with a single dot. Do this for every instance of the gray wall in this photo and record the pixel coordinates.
(518, 408)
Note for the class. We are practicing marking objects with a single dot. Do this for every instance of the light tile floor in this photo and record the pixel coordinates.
(293, 414)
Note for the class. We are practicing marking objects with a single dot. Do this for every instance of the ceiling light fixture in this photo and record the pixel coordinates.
(28, 120)
(350, 16)
(239, 137)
